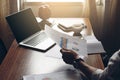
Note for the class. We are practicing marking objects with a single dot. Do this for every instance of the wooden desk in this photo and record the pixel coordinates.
(21, 61)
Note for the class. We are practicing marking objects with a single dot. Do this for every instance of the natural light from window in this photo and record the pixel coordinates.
(55, 0)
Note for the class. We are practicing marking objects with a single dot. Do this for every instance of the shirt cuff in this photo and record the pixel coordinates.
(96, 74)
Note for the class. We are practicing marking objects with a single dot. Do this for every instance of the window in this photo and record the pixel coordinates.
(59, 8)
(55, 0)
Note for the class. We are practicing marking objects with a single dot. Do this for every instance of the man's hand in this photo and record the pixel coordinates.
(68, 55)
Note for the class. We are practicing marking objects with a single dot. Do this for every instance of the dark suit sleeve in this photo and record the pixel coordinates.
(112, 71)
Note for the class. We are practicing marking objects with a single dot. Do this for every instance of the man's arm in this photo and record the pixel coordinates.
(86, 69)
(70, 56)
(111, 72)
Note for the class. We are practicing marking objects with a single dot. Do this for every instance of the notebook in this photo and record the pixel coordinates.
(27, 31)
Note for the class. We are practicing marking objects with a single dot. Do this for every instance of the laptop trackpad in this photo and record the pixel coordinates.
(46, 44)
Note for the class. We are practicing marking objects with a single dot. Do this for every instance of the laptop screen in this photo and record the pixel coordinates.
(23, 24)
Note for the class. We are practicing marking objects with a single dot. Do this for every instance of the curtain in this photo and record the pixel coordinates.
(111, 27)
(21, 4)
(95, 14)
(105, 21)
(85, 13)
(5, 33)
(6, 7)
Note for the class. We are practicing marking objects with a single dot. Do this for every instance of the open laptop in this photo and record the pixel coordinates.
(27, 31)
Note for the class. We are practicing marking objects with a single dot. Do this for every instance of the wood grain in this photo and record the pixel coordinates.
(21, 61)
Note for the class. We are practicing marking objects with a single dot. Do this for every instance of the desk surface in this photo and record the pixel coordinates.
(21, 61)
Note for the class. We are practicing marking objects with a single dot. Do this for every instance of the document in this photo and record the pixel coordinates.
(62, 75)
(88, 45)
(76, 44)
(93, 45)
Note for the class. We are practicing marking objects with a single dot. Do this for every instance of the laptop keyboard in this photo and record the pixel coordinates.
(37, 39)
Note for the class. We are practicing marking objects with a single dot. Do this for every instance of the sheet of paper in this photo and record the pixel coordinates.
(74, 43)
(93, 45)
(54, 52)
(62, 75)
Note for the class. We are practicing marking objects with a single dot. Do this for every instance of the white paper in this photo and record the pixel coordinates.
(54, 52)
(93, 45)
(62, 75)
(74, 43)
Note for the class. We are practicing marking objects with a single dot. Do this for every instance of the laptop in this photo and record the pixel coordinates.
(27, 31)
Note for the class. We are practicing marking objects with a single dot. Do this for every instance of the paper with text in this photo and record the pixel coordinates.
(74, 43)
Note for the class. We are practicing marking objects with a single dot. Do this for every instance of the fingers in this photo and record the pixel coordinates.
(67, 56)
(67, 51)
(63, 50)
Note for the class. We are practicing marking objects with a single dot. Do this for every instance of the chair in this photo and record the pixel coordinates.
(3, 51)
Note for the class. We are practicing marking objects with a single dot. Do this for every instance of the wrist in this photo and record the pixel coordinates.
(76, 62)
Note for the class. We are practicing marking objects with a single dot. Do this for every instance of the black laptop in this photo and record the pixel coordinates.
(27, 31)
